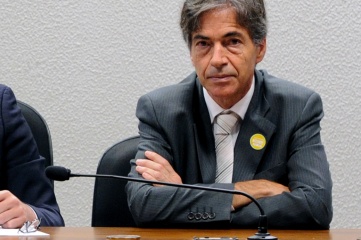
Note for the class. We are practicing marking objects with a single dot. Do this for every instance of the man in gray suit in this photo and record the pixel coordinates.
(277, 156)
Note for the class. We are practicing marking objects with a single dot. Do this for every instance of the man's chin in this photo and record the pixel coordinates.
(221, 95)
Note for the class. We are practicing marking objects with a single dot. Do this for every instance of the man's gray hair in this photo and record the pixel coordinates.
(251, 14)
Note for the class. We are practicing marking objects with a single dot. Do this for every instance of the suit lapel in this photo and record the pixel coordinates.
(246, 157)
(204, 137)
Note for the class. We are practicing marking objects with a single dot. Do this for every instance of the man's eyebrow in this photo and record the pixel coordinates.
(199, 36)
(233, 34)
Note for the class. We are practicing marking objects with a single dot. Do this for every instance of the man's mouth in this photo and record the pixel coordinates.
(220, 77)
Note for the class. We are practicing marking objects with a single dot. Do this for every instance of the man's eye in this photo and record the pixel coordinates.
(202, 44)
(235, 41)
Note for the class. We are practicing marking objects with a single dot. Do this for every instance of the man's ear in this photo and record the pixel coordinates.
(191, 56)
(261, 50)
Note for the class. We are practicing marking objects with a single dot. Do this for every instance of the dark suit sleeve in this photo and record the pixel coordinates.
(22, 168)
(309, 204)
(170, 206)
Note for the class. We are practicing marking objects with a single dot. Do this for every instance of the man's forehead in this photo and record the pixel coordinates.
(219, 19)
(225, 34)
(222, 32)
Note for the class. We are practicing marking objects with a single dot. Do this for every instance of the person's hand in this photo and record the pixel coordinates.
(13, 212)
(157, 168)
(257, 189)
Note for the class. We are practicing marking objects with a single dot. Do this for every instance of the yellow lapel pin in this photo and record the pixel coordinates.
(257, 141)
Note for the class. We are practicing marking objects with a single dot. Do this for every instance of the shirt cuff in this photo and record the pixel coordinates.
(232, 208)
(36, 215)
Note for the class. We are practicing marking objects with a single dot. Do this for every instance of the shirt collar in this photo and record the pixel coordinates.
(239, 108)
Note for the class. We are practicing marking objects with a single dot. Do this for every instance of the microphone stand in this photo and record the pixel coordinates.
(262, 233)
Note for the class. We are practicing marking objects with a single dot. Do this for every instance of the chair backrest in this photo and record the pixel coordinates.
(110, 207)
(40, 131)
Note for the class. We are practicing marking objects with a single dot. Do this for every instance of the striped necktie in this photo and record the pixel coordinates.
(223, 125)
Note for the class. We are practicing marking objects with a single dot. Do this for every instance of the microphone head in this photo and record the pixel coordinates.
(57, 173)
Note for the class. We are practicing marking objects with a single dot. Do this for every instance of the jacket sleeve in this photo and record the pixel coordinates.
(22, 165)
(308, 205)
(167, 206)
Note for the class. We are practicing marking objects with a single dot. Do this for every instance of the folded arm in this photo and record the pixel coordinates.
(308, 203)
(303, 202)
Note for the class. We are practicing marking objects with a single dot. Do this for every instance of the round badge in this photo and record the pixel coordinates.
(258, 141)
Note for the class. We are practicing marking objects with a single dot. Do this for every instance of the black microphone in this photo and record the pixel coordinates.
(58, 173)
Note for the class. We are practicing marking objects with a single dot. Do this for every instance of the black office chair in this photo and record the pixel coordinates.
(110, 207)
(40, 131)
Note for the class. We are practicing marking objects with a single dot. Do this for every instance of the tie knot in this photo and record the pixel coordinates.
(224, 122)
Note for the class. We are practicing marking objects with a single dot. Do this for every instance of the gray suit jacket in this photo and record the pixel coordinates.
(174, 122)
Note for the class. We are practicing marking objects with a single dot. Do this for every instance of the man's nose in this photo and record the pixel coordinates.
(219, 58)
